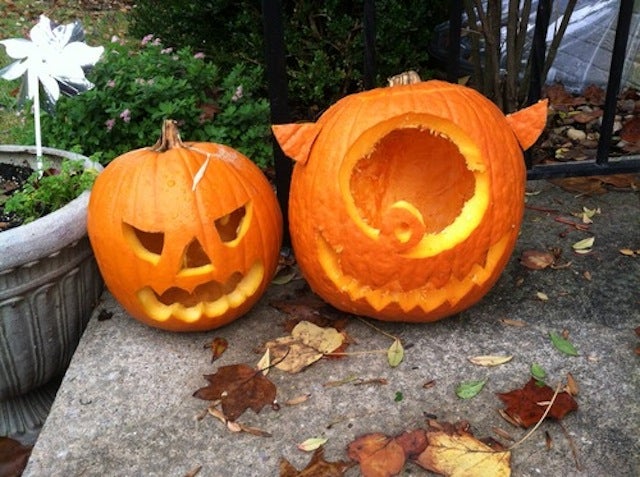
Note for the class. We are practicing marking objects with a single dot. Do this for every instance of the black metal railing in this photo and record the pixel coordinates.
(603, 164)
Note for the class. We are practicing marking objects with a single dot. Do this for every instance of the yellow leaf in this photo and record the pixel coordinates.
(462, 455)
(542, 296)
(265, 362)
(312, 443)
(325, 340)
(490, 360)
(584, 244)
(395, 353)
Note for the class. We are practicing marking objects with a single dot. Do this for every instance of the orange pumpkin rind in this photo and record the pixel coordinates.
(406, 202)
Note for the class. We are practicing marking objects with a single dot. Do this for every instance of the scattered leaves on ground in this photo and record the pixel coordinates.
(526, 406)
(317, 467)
(238, 387)
(443, 448)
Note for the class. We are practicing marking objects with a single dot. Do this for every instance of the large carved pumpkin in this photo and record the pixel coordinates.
(406, 202)
(186, 235)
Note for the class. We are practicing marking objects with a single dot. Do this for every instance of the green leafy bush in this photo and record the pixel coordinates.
(324, 40)
(137, 86)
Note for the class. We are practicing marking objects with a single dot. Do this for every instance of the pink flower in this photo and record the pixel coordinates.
(125, 115)
(147, 39)
(199, 55)
(166, 51)
(111, 84)
(109, 123)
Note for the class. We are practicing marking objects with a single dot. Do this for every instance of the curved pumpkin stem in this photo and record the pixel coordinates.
(528, 123)
(170, 137)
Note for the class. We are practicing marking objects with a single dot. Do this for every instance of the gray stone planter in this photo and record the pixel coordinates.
(49, 285)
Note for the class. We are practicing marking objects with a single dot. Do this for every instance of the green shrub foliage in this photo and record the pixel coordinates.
(139, 85)
(324, 40)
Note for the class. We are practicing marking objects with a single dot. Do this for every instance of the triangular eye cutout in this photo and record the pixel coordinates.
(230, 226)
(194, 256)
(146, 245)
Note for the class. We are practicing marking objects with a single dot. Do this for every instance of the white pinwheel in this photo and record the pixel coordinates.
(56, 57)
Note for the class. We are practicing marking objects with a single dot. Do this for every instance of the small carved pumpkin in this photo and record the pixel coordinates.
(187, 235)
(406, 202)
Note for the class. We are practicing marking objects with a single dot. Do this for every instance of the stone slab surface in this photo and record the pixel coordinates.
(125, 407)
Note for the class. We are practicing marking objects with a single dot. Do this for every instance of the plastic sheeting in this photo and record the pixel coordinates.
(584, 55)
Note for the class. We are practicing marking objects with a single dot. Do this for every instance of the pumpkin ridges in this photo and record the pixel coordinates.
(157, 186)
(316, 204)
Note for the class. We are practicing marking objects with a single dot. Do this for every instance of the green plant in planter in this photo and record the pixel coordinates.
(42, 194)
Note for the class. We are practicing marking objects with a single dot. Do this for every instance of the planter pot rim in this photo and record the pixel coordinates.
(44, 236)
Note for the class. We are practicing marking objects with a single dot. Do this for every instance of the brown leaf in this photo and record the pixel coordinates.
(238, 387)
(13, 457)
(312, 309)
(526, 406)
(536, 259)
(317, 467)
(454, 451)
(378, 455)
(630, 131)
(594, 94)
(218, 347)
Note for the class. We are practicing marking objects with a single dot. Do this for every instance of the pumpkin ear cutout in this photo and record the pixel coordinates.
(528, 123)
(296, 139)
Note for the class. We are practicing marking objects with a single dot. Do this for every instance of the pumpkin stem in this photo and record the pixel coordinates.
(408, 77)
(170, 137)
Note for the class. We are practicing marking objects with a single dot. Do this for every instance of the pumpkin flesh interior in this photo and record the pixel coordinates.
(426, 187)
(420, 170)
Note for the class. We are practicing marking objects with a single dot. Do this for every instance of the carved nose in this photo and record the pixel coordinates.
(403, 225)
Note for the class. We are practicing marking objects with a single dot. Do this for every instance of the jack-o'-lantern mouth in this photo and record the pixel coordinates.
(210, 299)
(426, 297)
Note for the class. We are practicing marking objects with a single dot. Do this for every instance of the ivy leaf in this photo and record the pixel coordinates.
(469, 389)
(395, 353)
(563, 345)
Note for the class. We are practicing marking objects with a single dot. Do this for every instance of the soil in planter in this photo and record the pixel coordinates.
(12, 178)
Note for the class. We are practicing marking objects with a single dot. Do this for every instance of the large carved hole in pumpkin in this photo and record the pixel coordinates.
(146, 245)
(207, 292)
(419, 167)
(229, 226)
(194, 256)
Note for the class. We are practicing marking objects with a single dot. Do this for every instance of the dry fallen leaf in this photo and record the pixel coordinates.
(312, 444)
(490, 360)
(395, 353)
(383, 456)
(526, 406)
(317, 467)
(238, 387)
(536, 259)
(456, 452)
(218, 346)
(307, 344)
